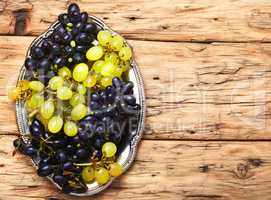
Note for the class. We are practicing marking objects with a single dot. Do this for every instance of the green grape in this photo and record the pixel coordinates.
(111, 57)
(117, 72)
(94, 53)
(36, 86)
(101, 176)
(106, 81)
(108, 69)
(35, 101)
(65, 72)
(104, 37)
(56, 82)
(109, 149)
(90, 81)
(116, 42)
(47, 109)
(88, 174)
(115, 169)
(64, 93)
(97, 66)
(77, 99)
(55, 124)
(70, 128)
(125, 53)
(79, 112)
(80, 72)
(81, 89)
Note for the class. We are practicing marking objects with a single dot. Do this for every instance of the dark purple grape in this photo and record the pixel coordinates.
(70, 149)
(81, 49)
(30, 64)
(37, 52)
(84, 17)
(77, 170)
(95, 97)
(60, 180)
(66, 37)
(55, 49)
(80, 26)
(81, 153)
(60, 30)
(57, 38)
(68, 50)
(75, 31)
(128, 88)
(94, 105)
(98, 154)
(61, 156)
(116, 82)
(68, 166)
(100, 129)
(89, 119)
(115, 137)
(84, 135)
(36, 128)
(78, 57)
(44, 161)
(83, 38)
(98, 142)
(44, 64)
(129, 99)
(58, 143)
(45, 45)
(59, 61)
(45, 170)
(73, 8)
(64, 19)
(90, 28)
(76, 139)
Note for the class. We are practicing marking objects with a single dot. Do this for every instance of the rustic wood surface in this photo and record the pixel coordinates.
(206, 68)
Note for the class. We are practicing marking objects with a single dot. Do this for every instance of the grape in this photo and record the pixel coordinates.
(108, 68)
(106, 81)
(101, 176)
(55, 124)
(81, 89)
(125, 53)
(79, 112)
(14, 93)
(90, 81)
(94, 53)
(23, 85)
(88, 174)
(97, 66)
(30, 64)
(36, 86)
(117, 72)
(70, 128)
(72, 43)
(64, 93)
(77, 99)
(80, 72)
(111, 57)
(35, 101)
(64, 72)
(109, 149)
(47, 109)
(116, 42)
(56, 82)
(79, 57)
(104, 37)
(115, 169)
(44, 64)
(125, 66)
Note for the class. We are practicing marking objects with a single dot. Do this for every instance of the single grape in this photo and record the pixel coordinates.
(116, 42)
(115, 169)
(79, 112)
(111, 57)
(45, 170)
(88, 174)
(35, 101)
(47, 109)
(77, 99)
(70, 128)
(14, 93)
(101, 176)
(64, 93)
(61, 156)
(90, 81)
(117, 72)
(55, 124)
(125, 53)
(81, 89)
(109, 149)
(56, 82)
(80, 72)
(106, 81)
(94, 53)
(104, 37)
(108, 69)
(36, 86)
(97, 66)
(64, 72)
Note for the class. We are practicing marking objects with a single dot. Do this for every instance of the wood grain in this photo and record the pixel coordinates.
(171, 20)
(212, 91)
(173, 170)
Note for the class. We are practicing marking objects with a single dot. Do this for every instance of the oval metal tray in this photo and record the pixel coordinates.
(128, 153)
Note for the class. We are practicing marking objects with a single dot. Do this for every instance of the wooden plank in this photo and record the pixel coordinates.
(172, 20)
(172, 170)
(194, 91)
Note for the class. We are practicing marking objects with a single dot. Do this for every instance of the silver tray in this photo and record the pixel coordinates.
(127, 156)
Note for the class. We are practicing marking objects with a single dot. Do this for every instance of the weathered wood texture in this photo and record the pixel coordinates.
(171, 170)
(173, 20)
(212, 91)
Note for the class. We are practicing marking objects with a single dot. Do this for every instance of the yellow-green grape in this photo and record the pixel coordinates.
(80, 72)
(125, 53)
(23, 85)
(77, 99)
(90, 81)
(47, 109)
(56, 82)
(111, 57)
(88, 174)
(108, 68)
(101, 176)
(35, 101)
(117, 72)
(64, 93)
(95, 53)
(70, 128)
(79, 112)
(106, 81)
(36, 86)
(109, 149)
(81, 89)
(65, 72)
(97, 66)
(116, 42)
(55, 124)
(104, 38)
(115, 169)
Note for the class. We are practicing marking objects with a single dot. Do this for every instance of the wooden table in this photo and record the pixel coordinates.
(207, 71)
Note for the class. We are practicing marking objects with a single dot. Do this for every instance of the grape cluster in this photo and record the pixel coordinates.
(80, 103)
